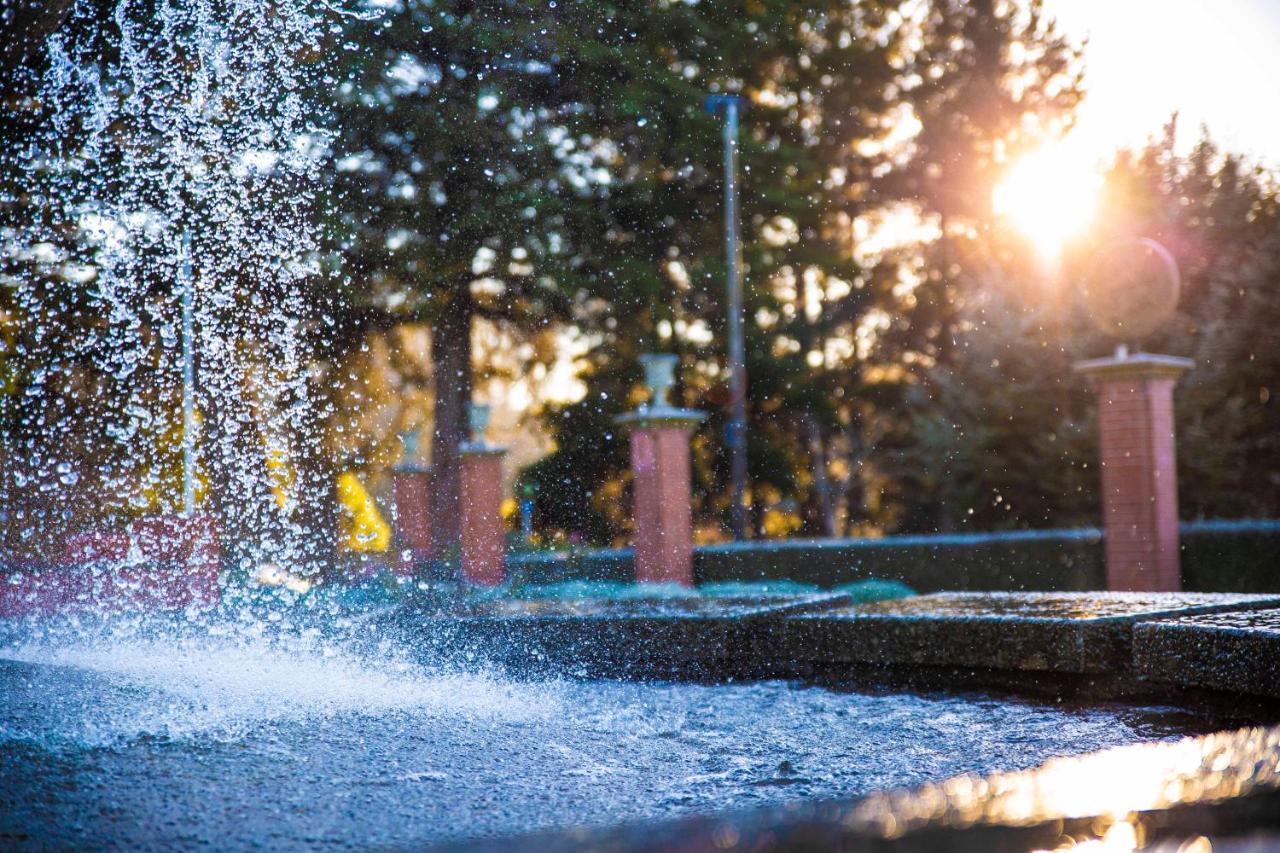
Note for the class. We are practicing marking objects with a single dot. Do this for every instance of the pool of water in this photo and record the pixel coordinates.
(233, 740)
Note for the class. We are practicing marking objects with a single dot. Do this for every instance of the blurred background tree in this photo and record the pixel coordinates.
(457, 176)
(884, 120)
(1219, 216)
(525, 192)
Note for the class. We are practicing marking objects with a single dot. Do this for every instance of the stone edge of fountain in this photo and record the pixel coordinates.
(1180, 647)
(1152, 646)
(1222, 787)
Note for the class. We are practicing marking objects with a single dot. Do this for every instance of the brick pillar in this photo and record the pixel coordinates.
(191, 548)
(662, 493)
(411, 492)
(483, 534)
(1139, 469)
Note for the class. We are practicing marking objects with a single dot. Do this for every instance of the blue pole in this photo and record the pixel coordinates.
(188, 381)
(736, 436)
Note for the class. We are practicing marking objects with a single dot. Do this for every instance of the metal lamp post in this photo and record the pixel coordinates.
(188, 380)
(736, 435)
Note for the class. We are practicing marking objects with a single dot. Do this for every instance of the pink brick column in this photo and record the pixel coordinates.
(1139, 468)
(192, 543)
(411, 492)
(181, 561)
(483, 534)
(662, 493)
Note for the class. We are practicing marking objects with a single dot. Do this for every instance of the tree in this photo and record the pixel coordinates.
(1219, 216)
(857, 112)
(816, 79)
(990, 81)
(459, 175)
(1003, 431)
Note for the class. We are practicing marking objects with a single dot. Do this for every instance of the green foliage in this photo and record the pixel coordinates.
(997, 431)
(562, 166)
(992, 438)
(586, 440)
(1220, 218)
(553, 167)
(1227, 560)
(454, 162)
(828, 84)
(1020, 561)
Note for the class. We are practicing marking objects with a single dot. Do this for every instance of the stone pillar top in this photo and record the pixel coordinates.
(648, 417)
(478, 421)
(660, 377)
(1138, 365)
(408, 462)
(480, 448)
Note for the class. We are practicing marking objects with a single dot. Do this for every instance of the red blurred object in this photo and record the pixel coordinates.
(94, 546)
(159, 563)
(1139, 468)
(483, 539)
(663, 500)
(411, 485)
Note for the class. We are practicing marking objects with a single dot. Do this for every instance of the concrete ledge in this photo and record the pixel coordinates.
(1079, 633)
(678, 637)
(1237, 652)
(1012, 635)
(1225, 786)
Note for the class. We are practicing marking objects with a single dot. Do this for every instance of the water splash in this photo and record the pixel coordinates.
(196, 685)
(180, 148)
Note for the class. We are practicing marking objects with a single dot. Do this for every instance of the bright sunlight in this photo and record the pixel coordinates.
(1049, 195)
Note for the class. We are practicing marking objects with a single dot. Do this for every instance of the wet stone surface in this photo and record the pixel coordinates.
(723, 607)
(1169, 796)
(153, 747)
(1050, 605)
(1251, 622)
(1236, 652)
(705, 637)
(1088, 632)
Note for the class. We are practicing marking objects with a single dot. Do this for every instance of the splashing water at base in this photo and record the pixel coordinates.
(130, 735)
(197, 686)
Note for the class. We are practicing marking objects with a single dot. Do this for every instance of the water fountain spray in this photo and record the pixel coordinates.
(177, 168)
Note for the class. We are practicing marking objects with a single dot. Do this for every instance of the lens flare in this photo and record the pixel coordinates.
(1049, 195)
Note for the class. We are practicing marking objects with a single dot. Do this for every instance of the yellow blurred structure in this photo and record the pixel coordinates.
(362, 527)
(280, 475)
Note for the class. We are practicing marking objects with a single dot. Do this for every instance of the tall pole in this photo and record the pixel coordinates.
(188, 381)
(736, 434)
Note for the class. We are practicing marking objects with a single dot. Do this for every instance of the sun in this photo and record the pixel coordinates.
(1050, 195)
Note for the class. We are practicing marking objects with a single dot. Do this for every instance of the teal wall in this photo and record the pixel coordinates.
(1229, 556)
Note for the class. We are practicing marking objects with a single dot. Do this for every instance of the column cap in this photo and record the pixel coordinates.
(661, 416)
(1139, 365)
(480, 448)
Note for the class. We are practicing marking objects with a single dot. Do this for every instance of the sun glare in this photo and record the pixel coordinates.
(1049, 195)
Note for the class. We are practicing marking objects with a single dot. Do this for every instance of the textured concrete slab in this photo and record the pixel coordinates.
(1068, 632)
(1163, 796)
(1237, 652)
(702, 637)
(713, 608)
(112, 749)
